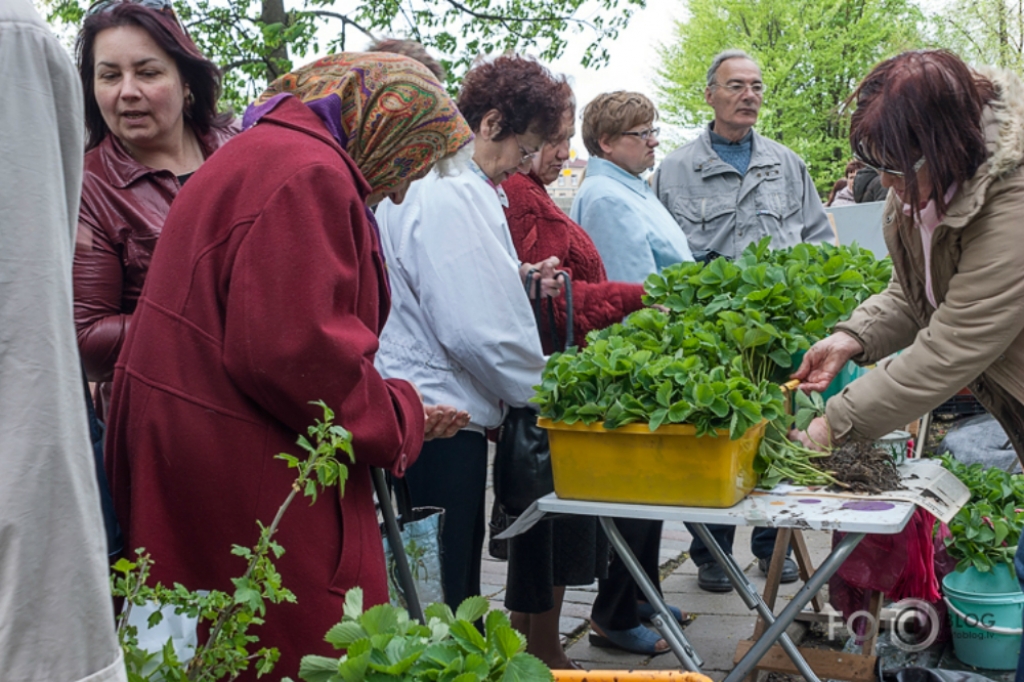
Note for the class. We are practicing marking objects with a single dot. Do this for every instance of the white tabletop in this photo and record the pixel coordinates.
(794, 510)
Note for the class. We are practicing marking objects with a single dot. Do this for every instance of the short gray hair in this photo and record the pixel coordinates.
(722, 57)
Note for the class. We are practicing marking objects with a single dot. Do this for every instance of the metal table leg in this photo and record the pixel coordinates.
(663, 620)
(777, 626)
(750, 596)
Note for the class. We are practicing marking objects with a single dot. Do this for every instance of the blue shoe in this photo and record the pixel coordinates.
(638, 640)
(646, 612)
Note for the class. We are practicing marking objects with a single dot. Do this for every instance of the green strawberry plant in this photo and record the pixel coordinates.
(383, 643)
(715, 359)
(225, 652)
(985, 532)
(779, 459)
(655, 371)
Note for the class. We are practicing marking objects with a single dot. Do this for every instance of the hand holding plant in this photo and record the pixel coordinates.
(825, 360)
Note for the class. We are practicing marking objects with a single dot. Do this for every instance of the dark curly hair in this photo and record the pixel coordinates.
(202, 75)
(528, 96)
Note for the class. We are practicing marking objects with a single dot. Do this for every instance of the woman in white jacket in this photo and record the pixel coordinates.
(461, 328)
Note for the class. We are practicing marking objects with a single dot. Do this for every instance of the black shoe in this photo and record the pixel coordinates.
(789, 570)
(711, 578)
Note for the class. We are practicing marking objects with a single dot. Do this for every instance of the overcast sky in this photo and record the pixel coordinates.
(633, 64)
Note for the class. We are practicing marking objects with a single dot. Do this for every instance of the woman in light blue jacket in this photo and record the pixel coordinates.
(636, 237)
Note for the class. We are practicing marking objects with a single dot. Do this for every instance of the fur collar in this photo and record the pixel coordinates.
(1004, 123)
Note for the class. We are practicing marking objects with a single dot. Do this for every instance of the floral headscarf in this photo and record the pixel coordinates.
(386, 110)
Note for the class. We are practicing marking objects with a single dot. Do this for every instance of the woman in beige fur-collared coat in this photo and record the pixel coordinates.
(948, 142)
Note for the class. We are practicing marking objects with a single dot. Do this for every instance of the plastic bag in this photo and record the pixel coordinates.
(421, 535)
(900, 566)
(179, 629)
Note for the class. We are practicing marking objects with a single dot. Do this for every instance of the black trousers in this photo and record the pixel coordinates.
(762, 542)
(451, 473)
(615, 605)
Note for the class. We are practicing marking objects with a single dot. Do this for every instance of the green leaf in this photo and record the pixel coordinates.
(657, 418)
(379, 619)
(468, 636)
(442, 653)
(342, 635)
(318, 668)
(679, 412)
(494, 621)
(509, 642)
(704, 395)
(472, 608)
(525, 668)
(664, 394)
(353, 602)
(803, 419)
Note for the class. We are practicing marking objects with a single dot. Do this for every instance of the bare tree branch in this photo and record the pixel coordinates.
(522, 20)
(343, 19)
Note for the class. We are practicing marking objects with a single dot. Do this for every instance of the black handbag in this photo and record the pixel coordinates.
(522, 460)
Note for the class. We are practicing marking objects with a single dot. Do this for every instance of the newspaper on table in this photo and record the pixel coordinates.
(926, 483)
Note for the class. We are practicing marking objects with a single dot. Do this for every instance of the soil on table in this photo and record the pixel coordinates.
(861, 467)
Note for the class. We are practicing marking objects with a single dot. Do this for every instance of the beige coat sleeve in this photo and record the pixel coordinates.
(982, 314)
(56, 616)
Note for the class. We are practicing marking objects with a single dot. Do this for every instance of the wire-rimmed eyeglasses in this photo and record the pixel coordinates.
(888, 171)
(644, 135)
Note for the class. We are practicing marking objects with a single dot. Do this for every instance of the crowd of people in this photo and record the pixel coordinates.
(360, 237)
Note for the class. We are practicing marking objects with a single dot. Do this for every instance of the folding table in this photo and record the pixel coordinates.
(856, 518)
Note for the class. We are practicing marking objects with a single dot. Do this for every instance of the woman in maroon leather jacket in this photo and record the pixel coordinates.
(151, 117)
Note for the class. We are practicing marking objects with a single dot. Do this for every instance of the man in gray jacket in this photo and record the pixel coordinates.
(731, 186)
(726, 189)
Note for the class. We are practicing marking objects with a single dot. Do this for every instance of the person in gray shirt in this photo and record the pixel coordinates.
(726, 189)
(731, 186)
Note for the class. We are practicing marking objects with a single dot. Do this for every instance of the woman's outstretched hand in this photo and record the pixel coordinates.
(824, 360)
(818, 435)
(443, 421)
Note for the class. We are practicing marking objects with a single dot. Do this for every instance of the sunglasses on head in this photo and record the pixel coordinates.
(162, 6)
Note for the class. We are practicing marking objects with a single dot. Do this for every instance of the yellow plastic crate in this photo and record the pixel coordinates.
(670, 466)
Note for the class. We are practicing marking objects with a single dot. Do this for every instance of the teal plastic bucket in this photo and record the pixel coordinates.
(985, 610)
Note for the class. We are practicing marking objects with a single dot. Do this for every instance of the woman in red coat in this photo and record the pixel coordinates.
(268, 291)
(554, 554)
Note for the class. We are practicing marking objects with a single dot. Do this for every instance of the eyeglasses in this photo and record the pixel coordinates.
(162, 6)
(644, 135)
(888, 171)
(527, 155)
(756, 87)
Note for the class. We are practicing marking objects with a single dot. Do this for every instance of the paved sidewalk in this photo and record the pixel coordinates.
(722, 620)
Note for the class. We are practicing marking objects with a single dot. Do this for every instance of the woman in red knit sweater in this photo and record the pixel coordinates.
(570, 551)
(539, 226)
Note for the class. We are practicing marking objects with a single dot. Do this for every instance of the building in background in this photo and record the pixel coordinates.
(563, 190)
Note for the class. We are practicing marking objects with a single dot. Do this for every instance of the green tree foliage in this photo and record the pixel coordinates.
(257, 40)
(983, 31)
(812, 54)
